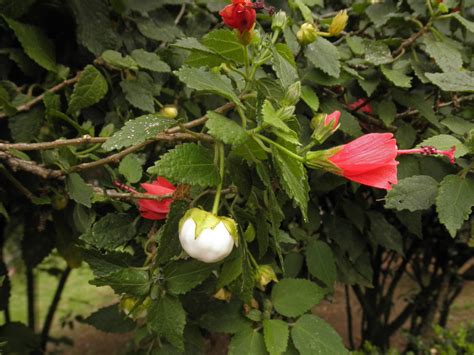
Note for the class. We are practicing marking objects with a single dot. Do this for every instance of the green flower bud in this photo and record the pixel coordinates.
(338, 23)
(307, 34)
(279, 21)
(292, 95)
(265, 275)
(324, 126)
(169, 111)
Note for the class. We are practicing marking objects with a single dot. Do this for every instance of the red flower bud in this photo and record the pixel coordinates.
(359, 105)
(332, 120)
(153, 209)
(240, 15)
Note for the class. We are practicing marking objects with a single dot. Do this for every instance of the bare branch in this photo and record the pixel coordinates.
(29, 166)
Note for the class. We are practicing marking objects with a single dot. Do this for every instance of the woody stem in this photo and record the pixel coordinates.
(219, 147)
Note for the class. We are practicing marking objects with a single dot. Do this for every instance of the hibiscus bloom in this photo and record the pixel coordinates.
(154, 209)
(240, 15)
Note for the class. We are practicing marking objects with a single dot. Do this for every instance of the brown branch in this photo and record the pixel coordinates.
(54, 144)
(129, 195)
(409, 41)
(457, 101)
(38, 99)
(29, 166)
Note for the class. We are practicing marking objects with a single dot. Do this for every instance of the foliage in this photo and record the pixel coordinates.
(81, 101)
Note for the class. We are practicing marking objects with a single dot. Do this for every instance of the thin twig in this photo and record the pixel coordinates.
(412, 112)
(29, 166)
(38, 99)
(54, 144)
(409, 41)
(129, 195)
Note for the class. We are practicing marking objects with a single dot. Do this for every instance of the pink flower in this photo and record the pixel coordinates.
(154, 209)
(359, 105)
(332, 120)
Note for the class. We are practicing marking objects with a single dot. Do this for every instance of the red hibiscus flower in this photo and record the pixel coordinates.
(359, 105)
(240, 15)
(154, 209)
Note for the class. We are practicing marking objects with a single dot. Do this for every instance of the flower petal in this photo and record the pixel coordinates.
(381, 178)
(155, 206)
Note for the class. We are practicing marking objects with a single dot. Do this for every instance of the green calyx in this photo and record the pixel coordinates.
(319, 159)
(205, 219)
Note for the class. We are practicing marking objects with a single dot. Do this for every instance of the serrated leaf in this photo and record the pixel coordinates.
(89, 90)
(446, 56)
(115, 59)
(276, 336)
(35, 44)
(293, 304)
(111, 231)
(397, 77)
(310, 98)
(137, 131)
(413, 193)
(183, 276)
(201, 56)
(110, 319)
(131, 168)
(229, 272)
(224, 129)
(379, 13)
(139, 92)
(458, 125)
(168, 318)
(160, 28)
(446, 142)
(248, 341)
(284, 69)
(272, 118)
(387, 111)
(325, 56)
(225, 318)
(294, 179)
(320, 261)
(313, 336)
(150, 61)
(202, 80)
(466, 23)
(385, 234)
(225, 43)
(24, 127)
(453, 81)
(188, 163)
(454, 201)
(132, 281)
(78, 190)
(377, 52)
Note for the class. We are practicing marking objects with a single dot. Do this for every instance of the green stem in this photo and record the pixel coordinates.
(281, 148)
(308, 147)
(243, 118)
(246, 61)
(220, 151)
(430, 8)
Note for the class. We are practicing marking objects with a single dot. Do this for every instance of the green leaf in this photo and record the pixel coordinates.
(293, 178)
(89, 90)
(453, 81)
(3, 212)
(445, 142)
(150, 61)
(224, 129)
(276, 335)
(379, 13)
(139, 92)
(163, 29)
(131, 168)
(384, 233)
(310, 98)
(446, 56)
(397, 77)
(202, 80)
(285, 70)
(356, 44)
(168, 318)
(201, 56)
(274, 118)
(248, 341)
(110, 319)
(458, 125)
(224, 318)
(289, 303)
(349, 124)
(387, 111)
(454, 201)
(229, 272)
(188, 163)
(17, 338)
(132, 281)
(466, 23)
(320, 261)
(111, 231)
(325, 56)
(35, 44)
(377, 52)
(78, 190)
(225, 43)
(137, 131)
(413, 193)
(116, 60)
(24, 127)
(312, 335)
(183, 276)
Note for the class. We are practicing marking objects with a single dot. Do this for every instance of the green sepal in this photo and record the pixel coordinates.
(319, 159)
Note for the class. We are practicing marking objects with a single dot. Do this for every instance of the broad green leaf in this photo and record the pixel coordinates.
(183, 276)
(294, 179)
(320, 261)
(285, 70)
(150, 61)
(446, 56)
(305, 10)
(379, 13)
(384, 233)
(289, 303)
(310, 98)
(446, 142)
(111, 231)
(137, 131)
(35, 44)
(418, 101)
(105, 264)
(276, 335)
(89, 90)
(453, 81)
(17, 338)
(349, 124)
(201, 56)
(454, 201)
(248, 341)
(387, 111)
(160, 28)
(229, 272)
(377, 52)
(458, 125)
(313, 336)
(225, 43)
(133, 281)
(225, 318)
(224, 129)
(325, 56)
(272, 118)
(202, 80)
(139, 92)
(78, 190)
(397, 77)
(188, 163)
(168, 318)
(413, 193)
(24, 127)
(356, 44)
(109, 319)
(466, 23)
(83, 218)
(131, 168)
(115, 59)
